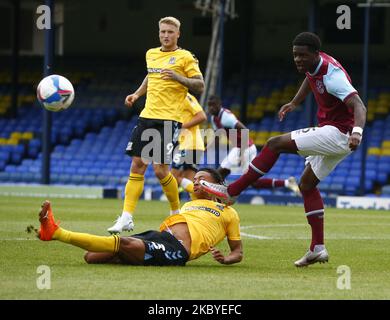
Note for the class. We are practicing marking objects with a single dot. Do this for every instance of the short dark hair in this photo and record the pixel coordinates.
(214, 173)
(309, 39)
(214, 98)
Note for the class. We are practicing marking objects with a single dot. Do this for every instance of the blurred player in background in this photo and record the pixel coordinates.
(341, 118)
(187, 235)
(191, 145)
(172, 71)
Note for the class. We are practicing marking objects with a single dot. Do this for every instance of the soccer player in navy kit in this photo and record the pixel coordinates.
(341, 118)
(171, 73)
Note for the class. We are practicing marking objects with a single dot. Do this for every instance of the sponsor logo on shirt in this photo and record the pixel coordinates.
(320, 87)
(203, 208)
(154, 70)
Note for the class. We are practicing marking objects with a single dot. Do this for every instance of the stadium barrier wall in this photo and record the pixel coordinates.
(363, 203)
(155, 193)
(51, 191)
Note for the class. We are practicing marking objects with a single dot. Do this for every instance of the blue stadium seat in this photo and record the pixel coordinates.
(64, 178)
(4, 176)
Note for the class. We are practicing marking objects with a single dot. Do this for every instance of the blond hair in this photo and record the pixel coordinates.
(170, 20)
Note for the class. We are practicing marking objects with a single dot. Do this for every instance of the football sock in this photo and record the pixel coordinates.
(125, 213)
(87, 241)
(265, 183)
(257, 168)
(188, 186)
(133, 190)
(171, 190)
(314, 208)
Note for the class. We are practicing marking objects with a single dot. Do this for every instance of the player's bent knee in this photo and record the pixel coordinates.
(129, 243)
(132, 250)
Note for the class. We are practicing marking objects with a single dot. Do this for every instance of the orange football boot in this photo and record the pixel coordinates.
(48, 225)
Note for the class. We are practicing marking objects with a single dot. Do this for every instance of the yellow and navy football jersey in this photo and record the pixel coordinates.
(208, 222)
(164, 98)
(191, 138)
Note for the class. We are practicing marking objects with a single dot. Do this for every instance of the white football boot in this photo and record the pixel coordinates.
(312, 257)
(219, 191)
(123, 223)
(293, 186)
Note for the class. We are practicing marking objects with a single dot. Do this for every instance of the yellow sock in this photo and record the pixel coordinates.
(171, 190)
(87, 241)
(189, 188)
(134, 188)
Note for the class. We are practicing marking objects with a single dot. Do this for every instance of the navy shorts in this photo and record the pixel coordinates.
(154, 140)
(162, 249)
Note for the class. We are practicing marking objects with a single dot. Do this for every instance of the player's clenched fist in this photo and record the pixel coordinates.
(285, 109)
(354, 141)
(130, 99)
(217, 255)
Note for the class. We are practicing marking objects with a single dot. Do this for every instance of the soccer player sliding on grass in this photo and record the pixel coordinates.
(341, 118)
(200, 225)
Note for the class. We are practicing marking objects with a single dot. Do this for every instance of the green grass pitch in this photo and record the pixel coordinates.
(273, 238)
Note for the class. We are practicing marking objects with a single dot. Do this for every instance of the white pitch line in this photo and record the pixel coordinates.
(273, 226)
(256, 236)
(18, 239)
(259, 237)
(287, 225)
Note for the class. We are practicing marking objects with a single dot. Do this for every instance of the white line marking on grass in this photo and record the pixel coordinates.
(256, 236)
(273, 226)
(18, 239)
(259, 237)
(288, 225)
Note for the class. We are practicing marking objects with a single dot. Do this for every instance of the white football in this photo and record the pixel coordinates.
(55, 93)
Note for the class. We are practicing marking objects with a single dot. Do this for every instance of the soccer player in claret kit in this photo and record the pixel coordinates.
(341, 118)
(172, 72)
(224, 119)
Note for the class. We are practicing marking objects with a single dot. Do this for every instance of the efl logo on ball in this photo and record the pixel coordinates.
(55, 93)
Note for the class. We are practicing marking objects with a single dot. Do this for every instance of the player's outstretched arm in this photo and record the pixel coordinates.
(302, 93)
(198, 118)
(234, 256)
(355, 103)
(194, 84)
(130, 99)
